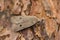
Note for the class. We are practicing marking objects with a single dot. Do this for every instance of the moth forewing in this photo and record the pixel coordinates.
(22, 22)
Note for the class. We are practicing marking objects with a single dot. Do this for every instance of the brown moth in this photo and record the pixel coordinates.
(22, 22)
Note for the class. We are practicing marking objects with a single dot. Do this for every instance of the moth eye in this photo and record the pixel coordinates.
(20, 25)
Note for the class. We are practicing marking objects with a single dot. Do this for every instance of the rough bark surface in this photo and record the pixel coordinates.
(46, 10)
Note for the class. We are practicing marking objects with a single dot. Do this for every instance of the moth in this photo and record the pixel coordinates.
(22, 22)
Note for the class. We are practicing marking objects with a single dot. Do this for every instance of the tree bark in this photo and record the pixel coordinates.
(46, 10)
